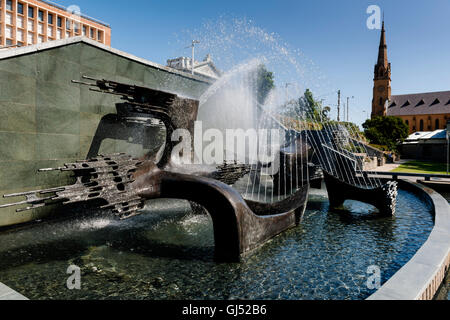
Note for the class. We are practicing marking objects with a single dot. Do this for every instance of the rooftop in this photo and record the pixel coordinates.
(9, 53)
(419, 104)
(427, 135)
(58, 6)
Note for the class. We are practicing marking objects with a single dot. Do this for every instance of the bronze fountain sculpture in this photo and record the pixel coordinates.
(123, 183)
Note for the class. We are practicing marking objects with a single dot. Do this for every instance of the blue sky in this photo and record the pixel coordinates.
(333, 34)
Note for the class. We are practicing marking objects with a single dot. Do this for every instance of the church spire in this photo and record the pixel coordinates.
(383, 67)
(382, 53)
(382, 79)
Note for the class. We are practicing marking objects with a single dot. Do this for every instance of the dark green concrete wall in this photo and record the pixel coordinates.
(46, 121)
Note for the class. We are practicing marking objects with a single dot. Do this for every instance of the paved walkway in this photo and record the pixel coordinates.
(390, 166)
(7, 293)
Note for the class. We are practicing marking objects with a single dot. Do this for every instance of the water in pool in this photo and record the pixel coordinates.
(167, 253)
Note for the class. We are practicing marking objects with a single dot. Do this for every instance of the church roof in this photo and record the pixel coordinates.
(419, 104)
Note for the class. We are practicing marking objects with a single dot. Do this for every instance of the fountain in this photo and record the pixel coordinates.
(310, 246)
(123, 183)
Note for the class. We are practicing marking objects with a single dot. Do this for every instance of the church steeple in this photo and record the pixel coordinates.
(382, 78)
(382, 53)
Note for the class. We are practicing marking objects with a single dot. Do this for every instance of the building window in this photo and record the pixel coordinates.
(84, 30)
(381, 101)
(9, 18)
(20, 22)
(41, 15)
(30, 38)
(407, 123)
(30, 25)
(68, 24)
(50, 18)
(100, 36)
(421, 125)
(30, 12)
(19, 35)
(92, 33)
(9, 5)
(20, 8)
(436, 124)
(8, 32)
(77, 27)
(9, 42)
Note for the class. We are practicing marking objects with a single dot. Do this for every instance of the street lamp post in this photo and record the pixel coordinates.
(287, 93)
(448, 146)
(366, 115)
(287, 86)
(348, 108)
(194, 42)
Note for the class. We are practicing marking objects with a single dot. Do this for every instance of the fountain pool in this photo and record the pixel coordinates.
(168, 254)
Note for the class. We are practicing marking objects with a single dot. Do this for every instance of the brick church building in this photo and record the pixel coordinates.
(428, 111)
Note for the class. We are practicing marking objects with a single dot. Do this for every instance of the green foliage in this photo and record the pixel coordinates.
(354, 148)
(265, 83)
(379, 147)
(388, 131)
(352, 128)
(307, 108)
(422, 167)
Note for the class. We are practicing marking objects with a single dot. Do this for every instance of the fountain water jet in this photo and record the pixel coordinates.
(123, 183)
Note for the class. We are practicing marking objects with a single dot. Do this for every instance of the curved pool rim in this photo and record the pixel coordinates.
(422, 276)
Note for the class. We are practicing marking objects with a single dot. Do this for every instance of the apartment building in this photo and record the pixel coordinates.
(26, 22)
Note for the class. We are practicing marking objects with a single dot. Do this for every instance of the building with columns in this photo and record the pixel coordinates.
(205, 68)
(427, 111)
(26, 22)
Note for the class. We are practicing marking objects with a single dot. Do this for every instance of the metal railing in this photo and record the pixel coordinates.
(396, 175)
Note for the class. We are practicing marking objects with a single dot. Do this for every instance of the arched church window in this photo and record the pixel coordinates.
(436, 124)
(381, 101)
(421, 125)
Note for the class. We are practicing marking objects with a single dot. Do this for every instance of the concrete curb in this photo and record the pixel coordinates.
(421, 277)
(7, 293)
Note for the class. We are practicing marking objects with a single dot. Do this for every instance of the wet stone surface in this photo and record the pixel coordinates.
(168, 254)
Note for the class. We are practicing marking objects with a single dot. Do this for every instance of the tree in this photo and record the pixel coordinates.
(264, 82)
(387, 131)
(352, 129)
(307, 108)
